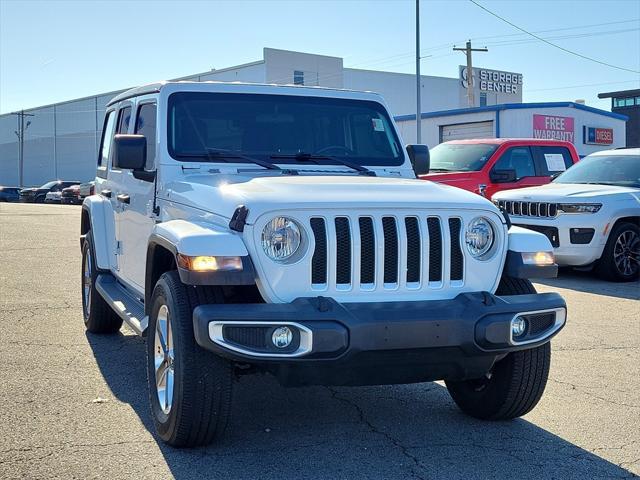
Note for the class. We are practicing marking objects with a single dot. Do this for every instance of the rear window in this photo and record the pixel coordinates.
(460, 157)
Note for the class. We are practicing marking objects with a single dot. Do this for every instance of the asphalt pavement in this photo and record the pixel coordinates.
(74, 405)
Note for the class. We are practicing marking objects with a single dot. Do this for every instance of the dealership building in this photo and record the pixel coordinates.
(61, 140)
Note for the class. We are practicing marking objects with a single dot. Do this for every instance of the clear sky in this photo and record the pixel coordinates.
(52, 50)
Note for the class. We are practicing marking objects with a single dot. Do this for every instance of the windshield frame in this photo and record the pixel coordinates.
(375, 162)
(491, 150)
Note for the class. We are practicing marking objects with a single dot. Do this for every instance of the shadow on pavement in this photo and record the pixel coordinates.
(409, 431)
(588, 282)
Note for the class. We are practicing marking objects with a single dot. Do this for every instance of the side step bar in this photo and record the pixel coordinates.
(127, 306)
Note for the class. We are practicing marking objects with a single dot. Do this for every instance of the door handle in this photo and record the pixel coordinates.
(106, 193)
(124, 198)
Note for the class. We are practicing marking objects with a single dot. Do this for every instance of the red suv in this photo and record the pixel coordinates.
(489, 165)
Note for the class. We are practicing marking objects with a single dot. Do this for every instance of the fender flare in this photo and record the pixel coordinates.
(523, 240)
(101, 224)
(193, 239)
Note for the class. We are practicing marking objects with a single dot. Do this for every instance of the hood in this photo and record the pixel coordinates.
(222, 195)
(450, 177)
(31, 190)
(558, 192)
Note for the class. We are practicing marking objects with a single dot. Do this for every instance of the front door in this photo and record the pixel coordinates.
(520, 160)
(136, 199)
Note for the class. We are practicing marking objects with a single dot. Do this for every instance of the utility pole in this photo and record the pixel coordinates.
(467, 51)
(418, 79)
(20, 134)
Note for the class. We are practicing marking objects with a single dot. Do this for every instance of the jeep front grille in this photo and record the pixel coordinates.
(529, 209)
(367, 251)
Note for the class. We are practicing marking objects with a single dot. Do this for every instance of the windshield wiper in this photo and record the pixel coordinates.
(214, 154)
(439, 170)
(306, 157)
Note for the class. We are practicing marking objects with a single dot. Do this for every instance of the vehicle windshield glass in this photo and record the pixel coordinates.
(49, 184)
(621, 170)
(460, 157)
(260, 126)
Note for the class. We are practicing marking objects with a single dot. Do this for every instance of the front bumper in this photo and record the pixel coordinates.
(566, 249)
(376, 343)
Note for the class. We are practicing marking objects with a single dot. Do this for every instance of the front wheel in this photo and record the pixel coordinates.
(620, 261)
(515, 384)
(189, 387)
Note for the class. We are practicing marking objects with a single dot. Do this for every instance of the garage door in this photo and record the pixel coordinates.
(466, 130)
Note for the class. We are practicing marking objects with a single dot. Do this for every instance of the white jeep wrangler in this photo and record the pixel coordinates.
(260, 228)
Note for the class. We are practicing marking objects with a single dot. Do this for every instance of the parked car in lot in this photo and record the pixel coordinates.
(52, 197)
(37, 195)
(490, 165)
(282, 229)
(9, 194)
(86, 189)
(591, 213)
(71, 195)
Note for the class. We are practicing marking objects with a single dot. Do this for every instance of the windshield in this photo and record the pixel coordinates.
(261, 126)
(461, 157)
(49, 184)
(621, 170)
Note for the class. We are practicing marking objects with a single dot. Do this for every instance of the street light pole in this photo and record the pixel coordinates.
(418, 80)
(20, 134)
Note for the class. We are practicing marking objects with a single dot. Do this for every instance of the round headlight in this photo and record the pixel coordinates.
(479, 236)
(280, 238)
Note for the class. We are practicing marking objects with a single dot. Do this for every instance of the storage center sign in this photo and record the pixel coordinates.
(507, 84)
(552, 127)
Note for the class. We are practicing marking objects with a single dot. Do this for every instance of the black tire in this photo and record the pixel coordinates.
(515, 384)
(629, 269)
(202, 381)
(98, 315)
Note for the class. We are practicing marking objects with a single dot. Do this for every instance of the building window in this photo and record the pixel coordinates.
(625, 102)
(298, 77)
(483, 99)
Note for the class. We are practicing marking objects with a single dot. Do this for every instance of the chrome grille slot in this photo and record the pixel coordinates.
(529, 209)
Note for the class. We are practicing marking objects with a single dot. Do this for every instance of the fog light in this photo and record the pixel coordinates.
(282, 337)
(518, 327)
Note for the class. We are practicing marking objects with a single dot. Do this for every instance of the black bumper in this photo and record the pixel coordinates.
(377, 343)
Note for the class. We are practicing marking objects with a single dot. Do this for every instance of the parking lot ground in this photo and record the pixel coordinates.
(74, 405)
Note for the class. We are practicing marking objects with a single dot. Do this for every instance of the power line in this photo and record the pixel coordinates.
(578, 86)
(552, 44)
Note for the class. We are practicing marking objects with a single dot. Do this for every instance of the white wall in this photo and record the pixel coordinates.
(430, 127)
(399, 90)
(318, 69)
(519, 123)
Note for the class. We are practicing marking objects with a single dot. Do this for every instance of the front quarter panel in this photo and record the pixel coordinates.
(102, 228)
(524, 240)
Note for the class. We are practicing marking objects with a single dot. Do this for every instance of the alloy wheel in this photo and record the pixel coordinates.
(626, 253)
(164, 359)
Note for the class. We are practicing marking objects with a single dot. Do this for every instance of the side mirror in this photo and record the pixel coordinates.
(503, 176)
(130, 152)
(419, 157)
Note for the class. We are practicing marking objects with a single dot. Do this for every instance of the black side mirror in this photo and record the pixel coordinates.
(419, 157)
(503, 176)
(130, 152)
